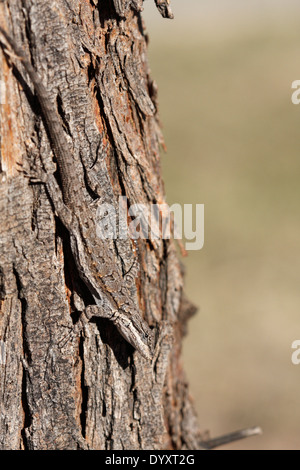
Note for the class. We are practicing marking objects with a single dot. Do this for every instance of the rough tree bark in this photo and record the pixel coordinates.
(91, 391)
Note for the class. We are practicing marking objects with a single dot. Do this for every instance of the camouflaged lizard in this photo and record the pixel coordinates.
(93, 259)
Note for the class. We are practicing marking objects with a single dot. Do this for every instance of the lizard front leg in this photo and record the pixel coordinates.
(47, 178)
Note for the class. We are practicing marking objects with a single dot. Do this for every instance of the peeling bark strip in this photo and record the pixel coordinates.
(123, 6)
(164, 8)
(60, 389)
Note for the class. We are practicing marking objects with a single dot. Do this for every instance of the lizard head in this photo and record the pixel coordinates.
(136, 332)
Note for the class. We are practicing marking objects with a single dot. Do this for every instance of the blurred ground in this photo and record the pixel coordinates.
(224, 70)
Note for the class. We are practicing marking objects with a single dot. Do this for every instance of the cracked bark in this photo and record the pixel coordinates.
(91, 391)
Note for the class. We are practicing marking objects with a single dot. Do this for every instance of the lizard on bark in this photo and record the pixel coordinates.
(94, 261)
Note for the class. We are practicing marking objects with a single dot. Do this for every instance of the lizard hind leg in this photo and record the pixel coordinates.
(34, 175)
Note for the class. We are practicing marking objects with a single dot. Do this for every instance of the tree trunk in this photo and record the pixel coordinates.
(91, 390)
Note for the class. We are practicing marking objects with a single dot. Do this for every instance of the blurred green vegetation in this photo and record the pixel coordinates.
(233, 142)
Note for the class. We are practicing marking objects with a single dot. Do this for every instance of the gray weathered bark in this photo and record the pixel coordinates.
(89, 390)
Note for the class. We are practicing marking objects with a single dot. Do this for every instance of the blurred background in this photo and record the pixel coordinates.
(224, 70)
